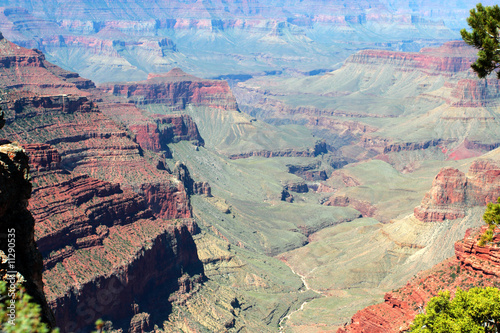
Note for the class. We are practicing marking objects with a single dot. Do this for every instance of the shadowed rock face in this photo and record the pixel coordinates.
(16, 220)
(471, 266)
(452, 191)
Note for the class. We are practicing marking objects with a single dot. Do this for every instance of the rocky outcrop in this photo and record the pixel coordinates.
(286, 196)
(154, 132)
(404, 146)
(452, 191)
(300, 187)
(182, 173)
(167, 200)
(451, 58)
(22, 68)
(43, 157)
(472, 266)
(476, 93)
(310, 172)
(175, 89)
(17, 225)
(483, 259)
(174, 128)
(364, 207)
(446, 199)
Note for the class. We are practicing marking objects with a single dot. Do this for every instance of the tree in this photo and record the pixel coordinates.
(485, 36)
(492, 218)
(473, 311)
(28, 316)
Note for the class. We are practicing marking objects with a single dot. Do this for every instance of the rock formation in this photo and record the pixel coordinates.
(454, 57)
(17, 224)
(364, 207)
(452, 191)
(192, 187)
(310, 172)
(119, 238)
(175, 89)
(472, 266)
(22, 68)
(113, 229)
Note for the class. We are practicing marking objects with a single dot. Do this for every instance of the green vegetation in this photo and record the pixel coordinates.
(27, 316)
(492, 218)
(476, 310)
(485, 37)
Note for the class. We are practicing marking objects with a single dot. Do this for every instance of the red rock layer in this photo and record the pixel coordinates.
(472, 266)
(103, 212)
(476, 93)
(448, 60)
(103, 245)
(452, 191)
(168, 200)
(364, 207)
(68, 211)
(43, 157)
(175, 89)
(154, 132)
(22, 68)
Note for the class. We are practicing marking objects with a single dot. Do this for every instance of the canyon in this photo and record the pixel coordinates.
(129, 40)
(346, 156)
(120, 233)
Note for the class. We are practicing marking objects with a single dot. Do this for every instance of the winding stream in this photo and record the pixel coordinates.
(306, 285)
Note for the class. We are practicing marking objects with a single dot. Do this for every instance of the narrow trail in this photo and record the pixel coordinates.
(307, 287)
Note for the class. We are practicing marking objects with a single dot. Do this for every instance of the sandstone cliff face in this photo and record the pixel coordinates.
(472, 266)
(43, 157)
(17, 221)
(452, 191)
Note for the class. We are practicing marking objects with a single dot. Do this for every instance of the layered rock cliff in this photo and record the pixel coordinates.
(175, 89)
(27, 69)
(452, 58)
(452, 191)
(17, 225)
(92, 233)
(113, 228)
(472, 266)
